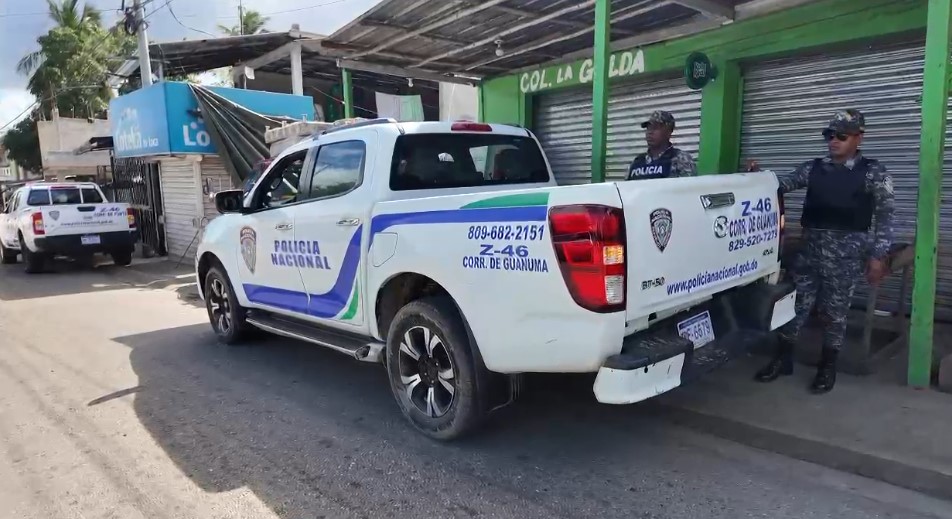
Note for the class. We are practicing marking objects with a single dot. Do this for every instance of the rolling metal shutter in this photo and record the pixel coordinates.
(787, 103)
(180, 192)
(563, 124)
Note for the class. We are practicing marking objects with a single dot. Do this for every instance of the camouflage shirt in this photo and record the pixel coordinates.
(842, 244)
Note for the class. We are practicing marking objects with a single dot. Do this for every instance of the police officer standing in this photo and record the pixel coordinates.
(846, 194)
(662, 160)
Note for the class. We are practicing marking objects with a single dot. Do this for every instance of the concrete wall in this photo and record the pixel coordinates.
(61, 136)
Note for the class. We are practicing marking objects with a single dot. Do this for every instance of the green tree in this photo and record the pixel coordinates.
(73, 61)
(23, 142)
(252, 22)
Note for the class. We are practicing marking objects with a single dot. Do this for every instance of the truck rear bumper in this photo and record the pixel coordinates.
(73, 244)
(659, 359)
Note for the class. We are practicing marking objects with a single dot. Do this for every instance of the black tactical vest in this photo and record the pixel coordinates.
(837, 197)
(641, 169)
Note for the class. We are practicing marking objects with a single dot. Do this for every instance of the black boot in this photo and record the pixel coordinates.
(782, 363)
(825, 373)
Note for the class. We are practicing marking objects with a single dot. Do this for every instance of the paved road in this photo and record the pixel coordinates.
(116, 402)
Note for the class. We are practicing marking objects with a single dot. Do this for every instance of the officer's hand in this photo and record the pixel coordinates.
(752, 165)
(876, 271)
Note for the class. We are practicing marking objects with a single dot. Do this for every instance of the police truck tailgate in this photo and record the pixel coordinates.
(89, 219)
(690, 240)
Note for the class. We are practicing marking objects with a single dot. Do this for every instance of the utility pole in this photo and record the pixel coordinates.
(145, 62)
(241, 19)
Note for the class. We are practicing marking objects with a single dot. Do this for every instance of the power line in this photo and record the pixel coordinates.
(169, 5)
(45, 99)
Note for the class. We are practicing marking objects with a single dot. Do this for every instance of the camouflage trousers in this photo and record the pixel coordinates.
(828, 283)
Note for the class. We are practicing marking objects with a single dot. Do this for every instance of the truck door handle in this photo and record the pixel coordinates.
(715, 200)
(348, 222)
(284, 226)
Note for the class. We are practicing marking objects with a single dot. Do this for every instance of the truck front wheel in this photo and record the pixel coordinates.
(35, 261)
(225, 314)
(433, 374)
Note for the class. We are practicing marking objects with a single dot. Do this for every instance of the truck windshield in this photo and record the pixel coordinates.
(438, 161)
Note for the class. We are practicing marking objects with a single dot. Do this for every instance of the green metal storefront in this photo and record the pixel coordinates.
(779, 77)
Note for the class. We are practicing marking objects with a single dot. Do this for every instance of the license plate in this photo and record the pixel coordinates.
(697, 329)
(91, 239)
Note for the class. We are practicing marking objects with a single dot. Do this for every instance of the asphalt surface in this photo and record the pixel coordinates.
(116, 401)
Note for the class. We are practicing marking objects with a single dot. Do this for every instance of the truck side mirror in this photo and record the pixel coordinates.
(230, 201)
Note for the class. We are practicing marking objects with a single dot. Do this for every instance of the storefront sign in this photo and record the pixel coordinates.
(161, 119)
(138, 123)
(621, 64)
(698, 71)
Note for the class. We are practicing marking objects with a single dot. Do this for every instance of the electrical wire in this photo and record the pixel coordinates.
(38, 102)
(169, 5)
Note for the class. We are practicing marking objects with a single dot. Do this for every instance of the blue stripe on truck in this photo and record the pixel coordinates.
(332, 302)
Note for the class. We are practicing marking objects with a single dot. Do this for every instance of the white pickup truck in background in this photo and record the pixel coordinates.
(42, 220)
(446, 251)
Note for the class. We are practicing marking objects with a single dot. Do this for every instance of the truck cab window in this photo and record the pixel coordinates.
(338, 169)
(38, 197)
(282, 183)
(441, 161)
(91, 196)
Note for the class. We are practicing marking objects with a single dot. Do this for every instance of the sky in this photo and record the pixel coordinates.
(22, 21)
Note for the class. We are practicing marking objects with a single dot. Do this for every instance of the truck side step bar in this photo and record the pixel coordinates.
(361, 348)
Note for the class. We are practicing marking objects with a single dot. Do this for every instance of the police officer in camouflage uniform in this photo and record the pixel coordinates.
(662, 159)
(846, 194)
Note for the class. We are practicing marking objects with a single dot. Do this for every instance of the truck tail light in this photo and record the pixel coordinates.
(470, 127)
(131, 216)
(38, 227)
(589, 243)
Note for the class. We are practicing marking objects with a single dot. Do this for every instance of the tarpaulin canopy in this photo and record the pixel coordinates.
(236, 132)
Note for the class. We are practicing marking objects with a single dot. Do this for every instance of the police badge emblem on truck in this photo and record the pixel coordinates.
(661, 224)
(248, 242)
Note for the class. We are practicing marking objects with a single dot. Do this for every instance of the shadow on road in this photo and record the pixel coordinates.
(63, 278)
(66, 277)
(312, 432)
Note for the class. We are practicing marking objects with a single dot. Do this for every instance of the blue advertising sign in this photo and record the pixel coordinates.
(171, 109)
(138, 123)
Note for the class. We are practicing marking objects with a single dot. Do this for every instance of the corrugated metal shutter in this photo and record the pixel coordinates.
(563, 123)
(179, 197)
(215, 178)
(787, 102)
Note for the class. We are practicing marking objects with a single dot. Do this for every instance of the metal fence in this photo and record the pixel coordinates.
(136, 182)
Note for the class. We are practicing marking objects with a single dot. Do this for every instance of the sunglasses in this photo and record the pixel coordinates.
(840, 136)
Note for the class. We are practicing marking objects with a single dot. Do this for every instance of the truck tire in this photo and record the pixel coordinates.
(432, 369)
(7, 256)
(227, 317)
(35, 261)
(121, 258)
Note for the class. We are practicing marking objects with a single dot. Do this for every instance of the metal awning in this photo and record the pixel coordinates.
(480, 38)
(190, 56)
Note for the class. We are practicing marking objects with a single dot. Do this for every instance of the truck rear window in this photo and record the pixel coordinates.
(64, 196)
(439, 161)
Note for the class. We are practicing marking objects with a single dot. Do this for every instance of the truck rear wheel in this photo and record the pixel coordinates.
(225, 314)
(7, 256)
(433, 374)
(122, 258)
(35, 261)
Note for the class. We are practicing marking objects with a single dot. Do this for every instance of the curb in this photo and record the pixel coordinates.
(898, 473)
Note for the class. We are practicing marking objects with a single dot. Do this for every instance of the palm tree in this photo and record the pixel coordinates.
(73, 60)
(252, 22)
(67, 15)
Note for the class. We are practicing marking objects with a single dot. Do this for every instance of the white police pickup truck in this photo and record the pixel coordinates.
(42, 220)
(447, 252)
